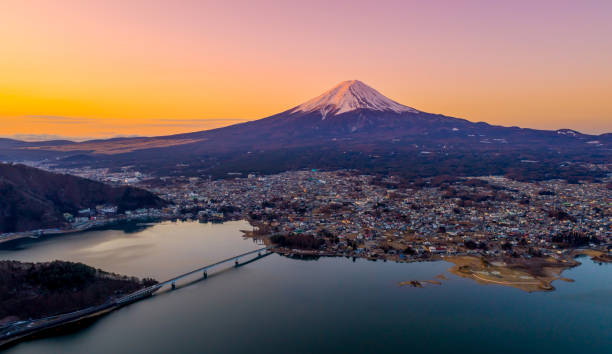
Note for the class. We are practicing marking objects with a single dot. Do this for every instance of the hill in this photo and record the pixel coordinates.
(35, 199)
(36, 290)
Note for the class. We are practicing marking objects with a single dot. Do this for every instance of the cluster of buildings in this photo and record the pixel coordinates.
(89, 218)
(125, 175)
(351, 214)
(359, 215)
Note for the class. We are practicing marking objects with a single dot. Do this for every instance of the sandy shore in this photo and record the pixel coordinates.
(526, 274)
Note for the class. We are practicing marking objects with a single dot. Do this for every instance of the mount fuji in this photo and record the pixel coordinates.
(349, 111)
(349, 126)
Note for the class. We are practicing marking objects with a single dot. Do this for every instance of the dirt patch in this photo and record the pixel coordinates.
(529, 275)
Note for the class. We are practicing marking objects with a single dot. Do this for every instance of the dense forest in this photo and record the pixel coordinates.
(404, 161)
(36, 290)
(305, 242)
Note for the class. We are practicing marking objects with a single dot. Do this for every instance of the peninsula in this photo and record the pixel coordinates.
(39, 296)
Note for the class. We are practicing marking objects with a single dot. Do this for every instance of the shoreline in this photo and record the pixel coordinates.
(63, 322)
(101, 225)
(466, 265)
(541, 283)
(100, 292)
(548, 271)
(98, 225)
(528, 275)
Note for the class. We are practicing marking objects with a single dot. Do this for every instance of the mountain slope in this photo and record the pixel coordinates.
(342, 128)
(34, 199)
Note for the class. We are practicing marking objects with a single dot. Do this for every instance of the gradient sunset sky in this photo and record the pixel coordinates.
(107, 68)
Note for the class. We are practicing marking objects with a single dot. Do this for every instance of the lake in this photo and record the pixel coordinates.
(282, 305)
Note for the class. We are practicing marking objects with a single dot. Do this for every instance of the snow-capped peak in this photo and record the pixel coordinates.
(349, 96)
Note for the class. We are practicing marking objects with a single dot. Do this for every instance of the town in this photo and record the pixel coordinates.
(313, 213)
(346, 213)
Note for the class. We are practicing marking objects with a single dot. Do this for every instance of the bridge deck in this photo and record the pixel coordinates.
(147, 291)
(170, 281)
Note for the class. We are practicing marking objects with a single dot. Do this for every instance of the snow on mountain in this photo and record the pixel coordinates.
(569, 132)
(349, 96)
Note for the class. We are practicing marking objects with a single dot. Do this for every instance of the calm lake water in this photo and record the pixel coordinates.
(282, 305)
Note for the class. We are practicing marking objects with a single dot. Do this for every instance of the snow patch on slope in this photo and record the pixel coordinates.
(349, 96)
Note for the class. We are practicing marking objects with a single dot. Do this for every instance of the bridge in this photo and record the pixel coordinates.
(14, 332)
(135, 296)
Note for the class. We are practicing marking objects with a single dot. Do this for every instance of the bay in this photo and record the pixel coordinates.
(330, 305)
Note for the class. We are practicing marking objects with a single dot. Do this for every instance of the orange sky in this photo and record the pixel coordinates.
(106, 68)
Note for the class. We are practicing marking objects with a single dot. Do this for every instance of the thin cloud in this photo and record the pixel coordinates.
(203, 120)
(57, 119)
(153, 121)
(50, 127)
(49, 137)
(53, 117)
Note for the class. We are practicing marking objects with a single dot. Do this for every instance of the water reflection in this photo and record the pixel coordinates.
(284, 305)
(157, 250)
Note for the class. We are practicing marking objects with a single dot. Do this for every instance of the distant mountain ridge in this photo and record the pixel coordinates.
(345, 127)
(35, 199)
